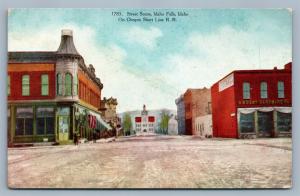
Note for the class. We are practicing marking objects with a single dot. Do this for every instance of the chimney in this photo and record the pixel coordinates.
(67, 45)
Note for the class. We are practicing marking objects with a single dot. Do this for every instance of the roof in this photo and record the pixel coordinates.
(31, 56)
(287, 69)
(67, 46)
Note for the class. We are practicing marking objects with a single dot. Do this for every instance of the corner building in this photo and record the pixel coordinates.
(52, 95)
(253, 103)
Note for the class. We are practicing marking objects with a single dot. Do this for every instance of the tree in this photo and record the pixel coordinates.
(127, 124)
(165, 117)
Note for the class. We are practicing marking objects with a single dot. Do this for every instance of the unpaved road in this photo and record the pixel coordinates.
(155, 162)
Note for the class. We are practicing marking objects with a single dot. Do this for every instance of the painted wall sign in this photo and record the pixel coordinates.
(226, 82)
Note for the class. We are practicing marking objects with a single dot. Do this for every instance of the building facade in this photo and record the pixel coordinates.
(197, 103)
(144, 124)
(109, 111)
(172, 126)
(52, 95)
(204, 126)
(253, 103)
(180, 115)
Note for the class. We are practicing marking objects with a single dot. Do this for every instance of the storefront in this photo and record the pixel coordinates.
(264, 122)
(88, 123)
(28, 123)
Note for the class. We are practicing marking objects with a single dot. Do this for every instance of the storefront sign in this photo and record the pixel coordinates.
(264, 102)
(226, 82)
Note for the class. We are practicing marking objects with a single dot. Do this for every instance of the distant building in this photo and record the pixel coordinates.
(197, 103)
(172, 126)
(109, 111)
(144, 123)
(52, 95)
(180, 115)
(253, 103)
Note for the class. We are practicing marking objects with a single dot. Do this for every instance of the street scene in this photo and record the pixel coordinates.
(149, 98)
(155, 162)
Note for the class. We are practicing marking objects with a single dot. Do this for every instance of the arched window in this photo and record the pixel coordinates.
(246, 90)
(68, 84)
(263, 90)
(75, 85)
(280, 89)
(59, 84)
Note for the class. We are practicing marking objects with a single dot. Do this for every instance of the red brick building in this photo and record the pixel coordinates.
(52, 95)
(253, 103)
(197, 103)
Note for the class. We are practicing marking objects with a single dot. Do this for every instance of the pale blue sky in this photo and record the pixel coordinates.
(153, 63)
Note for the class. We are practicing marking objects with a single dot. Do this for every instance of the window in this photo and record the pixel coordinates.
(45, 84)
(8, 85)
(24, 121)
(59, 84)
(246, 90)
(25, 85)
(263, 90)
(280, 89)
(45, 120)
(68, 84)
(75, 85)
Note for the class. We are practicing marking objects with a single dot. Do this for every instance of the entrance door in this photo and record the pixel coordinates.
(63, 128)
(265, 123)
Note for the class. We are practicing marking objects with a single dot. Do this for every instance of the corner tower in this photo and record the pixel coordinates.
(67, 68)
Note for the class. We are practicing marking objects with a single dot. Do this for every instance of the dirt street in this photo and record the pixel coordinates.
(155, 162)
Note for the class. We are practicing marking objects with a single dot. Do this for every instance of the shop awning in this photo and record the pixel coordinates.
(102, 124)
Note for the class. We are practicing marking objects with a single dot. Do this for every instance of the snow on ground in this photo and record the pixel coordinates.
(155, 162)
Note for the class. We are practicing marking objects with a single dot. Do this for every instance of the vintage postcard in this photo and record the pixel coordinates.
(149, 98)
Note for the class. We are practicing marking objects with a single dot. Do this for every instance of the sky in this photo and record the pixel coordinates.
(153, 63)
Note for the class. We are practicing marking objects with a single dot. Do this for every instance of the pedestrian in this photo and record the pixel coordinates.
(75, 139)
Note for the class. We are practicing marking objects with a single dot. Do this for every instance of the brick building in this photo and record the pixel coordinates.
(52, 95)
(197, 103)
(253, 103)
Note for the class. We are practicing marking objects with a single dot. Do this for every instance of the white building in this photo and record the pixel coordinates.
(204, 126)
(172, 126)
(144, 124)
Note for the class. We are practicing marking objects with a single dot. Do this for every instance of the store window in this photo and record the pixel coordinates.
(284, 122)
(45, 84)
(280, 89)
(59, 84)
(45, 120)
(68, 84)
(25, 85)
(24, 121)
(263, 90)
(247, 123)
(246, 90)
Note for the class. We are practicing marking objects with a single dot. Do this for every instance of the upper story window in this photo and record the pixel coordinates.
(8, 85)
(75, 85)
(68, 84)
(59, 84)
(25, 85)
(263, 90)
(45, 84)
(280, 89)
(246, 90)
